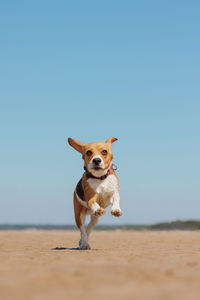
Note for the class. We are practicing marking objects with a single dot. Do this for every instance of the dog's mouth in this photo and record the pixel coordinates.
(97, 168)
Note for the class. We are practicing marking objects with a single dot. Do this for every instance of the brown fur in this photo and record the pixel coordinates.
(89, 194)
(77, 211)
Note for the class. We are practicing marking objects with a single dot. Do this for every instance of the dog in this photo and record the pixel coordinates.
(97, 188)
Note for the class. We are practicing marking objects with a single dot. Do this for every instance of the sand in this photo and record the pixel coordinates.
(121, 265)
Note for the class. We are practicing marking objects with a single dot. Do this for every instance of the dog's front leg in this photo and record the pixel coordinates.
(115, 201)
(94, 206)
(91, 196)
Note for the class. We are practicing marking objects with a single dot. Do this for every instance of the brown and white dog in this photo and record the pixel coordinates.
(97, 188)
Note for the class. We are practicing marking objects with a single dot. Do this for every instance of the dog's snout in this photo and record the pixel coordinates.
(96, 161)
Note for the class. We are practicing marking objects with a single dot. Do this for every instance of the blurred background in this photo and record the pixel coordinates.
(91, 70)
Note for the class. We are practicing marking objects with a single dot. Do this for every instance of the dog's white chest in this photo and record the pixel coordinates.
(105, 188)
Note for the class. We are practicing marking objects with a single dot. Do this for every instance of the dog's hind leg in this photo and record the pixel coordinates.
(94, 220)
(83, 243)
(80, 214)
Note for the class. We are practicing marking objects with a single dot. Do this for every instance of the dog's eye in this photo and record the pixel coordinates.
(89, 153)
(104, 152)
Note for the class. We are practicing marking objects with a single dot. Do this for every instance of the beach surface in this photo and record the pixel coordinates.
(121, 265)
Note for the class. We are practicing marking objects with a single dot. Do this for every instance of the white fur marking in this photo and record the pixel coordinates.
(83, 244)
(91, 164)
(99, 172)
(95, 206)
(115, 200)
(108, 185)
(107, 189)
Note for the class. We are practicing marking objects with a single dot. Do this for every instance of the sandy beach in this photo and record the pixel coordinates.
(121, 265)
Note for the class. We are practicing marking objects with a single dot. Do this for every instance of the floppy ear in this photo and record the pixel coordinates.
(111, 140)
(76, 145)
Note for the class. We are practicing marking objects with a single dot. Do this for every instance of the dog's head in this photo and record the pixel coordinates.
(97, 156)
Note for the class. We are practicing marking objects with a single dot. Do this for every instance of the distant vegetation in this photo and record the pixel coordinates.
(175, 225)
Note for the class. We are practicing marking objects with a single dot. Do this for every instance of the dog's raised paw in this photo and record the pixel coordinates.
(116, 212)
(100, 212)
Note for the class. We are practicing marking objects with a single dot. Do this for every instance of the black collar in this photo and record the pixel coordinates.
(89, 175)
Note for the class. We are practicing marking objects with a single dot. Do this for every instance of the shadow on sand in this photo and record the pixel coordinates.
(63, 248)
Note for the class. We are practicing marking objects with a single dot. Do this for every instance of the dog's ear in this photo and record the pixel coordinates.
(111, 140)
(76, 145)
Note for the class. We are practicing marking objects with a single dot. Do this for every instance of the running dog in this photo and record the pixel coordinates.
(97, 188)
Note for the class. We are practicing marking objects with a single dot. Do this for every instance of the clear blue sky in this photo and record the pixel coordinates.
(91, 70)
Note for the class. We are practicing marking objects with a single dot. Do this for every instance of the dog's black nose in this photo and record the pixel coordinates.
(96, 161)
